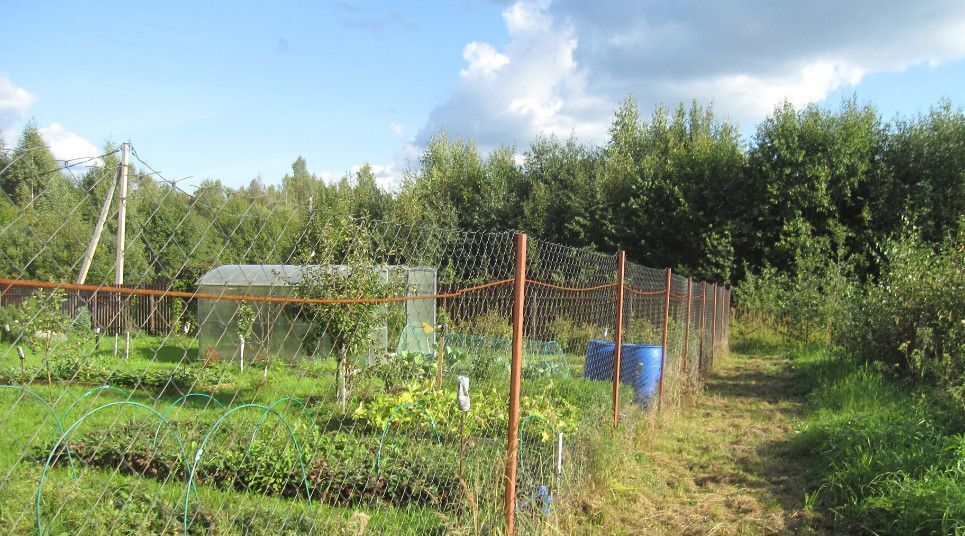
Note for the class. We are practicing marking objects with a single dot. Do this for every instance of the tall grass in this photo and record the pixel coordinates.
(890, 459)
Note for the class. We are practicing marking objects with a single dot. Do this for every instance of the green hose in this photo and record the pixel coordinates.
(181, 400)
(385, 430)
(57, 423)
(214, 428)
(305, 410)
(63, 438)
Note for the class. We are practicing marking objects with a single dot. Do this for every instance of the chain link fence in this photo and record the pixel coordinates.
(232, 365)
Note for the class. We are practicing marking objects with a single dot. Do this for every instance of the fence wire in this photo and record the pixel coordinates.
(267, 368)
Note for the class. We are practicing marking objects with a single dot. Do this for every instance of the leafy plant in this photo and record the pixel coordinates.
(245, 318)
(486, 417)
(346, 325)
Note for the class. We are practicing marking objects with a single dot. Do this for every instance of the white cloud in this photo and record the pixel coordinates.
(532, 86)
(483, 60)
(66, 145)
(387, 176)
(569, 63)
(396, 129)
(14, 102)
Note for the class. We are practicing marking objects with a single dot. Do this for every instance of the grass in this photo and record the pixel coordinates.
(112, 499)
(720, 464)
(784, 441)
(888, 458)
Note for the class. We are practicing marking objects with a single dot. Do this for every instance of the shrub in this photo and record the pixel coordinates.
(82, 324)
(572, 336)
(911, 317)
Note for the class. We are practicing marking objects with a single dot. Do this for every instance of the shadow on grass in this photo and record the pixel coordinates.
(753, 344)
(781, 465)
(167, 354)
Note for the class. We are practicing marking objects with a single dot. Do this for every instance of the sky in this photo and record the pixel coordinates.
(238, 90)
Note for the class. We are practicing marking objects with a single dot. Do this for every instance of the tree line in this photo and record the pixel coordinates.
(679, 188)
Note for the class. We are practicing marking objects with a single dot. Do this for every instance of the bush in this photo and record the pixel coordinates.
(82, 324)
(911, 317)
(572, 336)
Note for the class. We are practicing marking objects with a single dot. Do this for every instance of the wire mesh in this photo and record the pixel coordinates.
(265, 367)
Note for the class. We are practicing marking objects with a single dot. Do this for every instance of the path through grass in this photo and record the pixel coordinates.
(722, 466)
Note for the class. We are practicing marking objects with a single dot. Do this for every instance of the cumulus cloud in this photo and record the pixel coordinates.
(66, 145)
(533, 85)
(387, 176)
(14, 102)
(569, 63)
(396, 129)
(483, 60)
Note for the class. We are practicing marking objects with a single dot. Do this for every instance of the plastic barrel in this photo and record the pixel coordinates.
(646, 369)
(599, 361)
(639, 366)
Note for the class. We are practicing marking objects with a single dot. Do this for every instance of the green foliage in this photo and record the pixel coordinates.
(340, 465)
(40, 319)
(491, 324)
(245, 318)
(82, 324)
(346, 325)
(887, 461)
(910, 317)
(640, 330)
(572, 336)
(486, 417)
(803, 301)
(403, 367)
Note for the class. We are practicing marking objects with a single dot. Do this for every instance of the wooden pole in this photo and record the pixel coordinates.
(98, 229)
(690, 295)
(512, 449)
(121, 215)
(663, 342)
(618, 335)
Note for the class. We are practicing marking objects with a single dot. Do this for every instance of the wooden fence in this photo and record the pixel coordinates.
(113, 313)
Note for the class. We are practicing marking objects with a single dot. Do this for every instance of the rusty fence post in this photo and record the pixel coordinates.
(703, 327)
(618, 335)
(690, 296)
(713, 328)
(663, 340)
(512, 448)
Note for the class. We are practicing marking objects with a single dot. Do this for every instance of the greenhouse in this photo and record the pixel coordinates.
(278, 333)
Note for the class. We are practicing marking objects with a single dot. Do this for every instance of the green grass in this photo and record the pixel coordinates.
(109, 500)
(890, 459)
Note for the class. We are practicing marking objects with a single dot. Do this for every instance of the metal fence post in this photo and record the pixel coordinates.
(713, 328)
(703, 327)
(512, 449)
(690, 295)
(663, 343)
(618, 335)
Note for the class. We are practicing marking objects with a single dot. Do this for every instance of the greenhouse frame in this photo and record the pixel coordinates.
(279, 334)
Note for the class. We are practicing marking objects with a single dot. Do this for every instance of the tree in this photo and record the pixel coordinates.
(346, 326)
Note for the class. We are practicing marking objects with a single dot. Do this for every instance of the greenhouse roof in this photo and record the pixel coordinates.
(268, 275)
(255, 275)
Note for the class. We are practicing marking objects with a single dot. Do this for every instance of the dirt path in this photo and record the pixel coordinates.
(725, 465)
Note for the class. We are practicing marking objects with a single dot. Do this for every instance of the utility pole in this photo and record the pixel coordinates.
(121, 215)
(98, 229)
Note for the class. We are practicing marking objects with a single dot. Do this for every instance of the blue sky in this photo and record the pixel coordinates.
(236, 90)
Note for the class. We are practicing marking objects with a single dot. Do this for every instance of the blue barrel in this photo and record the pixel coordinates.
(639, 366)
(599, 361)
(645, 360)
